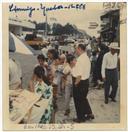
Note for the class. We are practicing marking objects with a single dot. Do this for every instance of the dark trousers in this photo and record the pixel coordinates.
(80, 99)
(111, 80)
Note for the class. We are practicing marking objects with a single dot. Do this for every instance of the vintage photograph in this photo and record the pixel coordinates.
(65, 65)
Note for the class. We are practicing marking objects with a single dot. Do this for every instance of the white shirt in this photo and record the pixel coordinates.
(82, 67)
(88, 47)
(109, 62)
(45, 51)
(86, 41)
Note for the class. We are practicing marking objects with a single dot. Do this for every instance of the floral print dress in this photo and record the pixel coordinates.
(45, 92)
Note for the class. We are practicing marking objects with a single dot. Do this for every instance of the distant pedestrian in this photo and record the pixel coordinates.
(110, 73)
(81, 74)
(45, 51)
(88, 50)
(67, 53)
(103, 49)
(63, 52)
(94, 68)
(22, 37)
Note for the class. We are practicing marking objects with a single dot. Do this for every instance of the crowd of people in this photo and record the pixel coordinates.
(69, 75)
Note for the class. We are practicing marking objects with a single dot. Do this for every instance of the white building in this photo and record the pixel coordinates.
(16, 25)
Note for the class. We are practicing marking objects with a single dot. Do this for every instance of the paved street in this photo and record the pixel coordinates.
(104, 113)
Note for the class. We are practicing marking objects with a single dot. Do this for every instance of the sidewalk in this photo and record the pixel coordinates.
(104, 113)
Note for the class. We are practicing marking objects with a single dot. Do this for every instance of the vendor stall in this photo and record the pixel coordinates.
(28, 107)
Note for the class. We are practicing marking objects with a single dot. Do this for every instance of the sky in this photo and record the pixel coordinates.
(80, 18)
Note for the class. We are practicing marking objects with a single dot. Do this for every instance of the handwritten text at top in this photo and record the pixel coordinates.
(44, 9)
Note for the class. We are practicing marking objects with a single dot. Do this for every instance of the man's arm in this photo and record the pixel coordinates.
(103, 67)
(78, 78)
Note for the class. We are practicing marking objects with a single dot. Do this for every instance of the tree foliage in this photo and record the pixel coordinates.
(42, 26)
(58, 29)
(69, 29)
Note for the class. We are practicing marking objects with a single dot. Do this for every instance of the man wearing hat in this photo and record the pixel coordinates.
(109, 72)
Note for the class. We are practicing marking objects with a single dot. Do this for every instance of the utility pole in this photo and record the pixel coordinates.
(46, 28)
(51, 22)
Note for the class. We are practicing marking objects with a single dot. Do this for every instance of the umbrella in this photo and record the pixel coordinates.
(27, 63)
(16, 45)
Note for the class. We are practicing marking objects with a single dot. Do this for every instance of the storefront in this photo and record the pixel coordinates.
(110, 26)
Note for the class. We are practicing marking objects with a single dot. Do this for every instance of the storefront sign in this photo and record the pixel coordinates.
(114, 5)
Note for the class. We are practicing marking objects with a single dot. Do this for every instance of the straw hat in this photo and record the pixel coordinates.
(114, 45)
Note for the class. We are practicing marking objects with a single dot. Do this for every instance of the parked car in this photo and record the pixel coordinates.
(67, 41)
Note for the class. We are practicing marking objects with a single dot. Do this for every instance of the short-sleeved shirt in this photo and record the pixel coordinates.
(109, 62)
(82, 67)
(67, 72)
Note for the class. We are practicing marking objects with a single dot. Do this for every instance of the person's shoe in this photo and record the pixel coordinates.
(113, 100)
(99, 87)
(89, 117)
(78, 120)
(110, 96)
(67, 112)
(96, 87)
(106, 101)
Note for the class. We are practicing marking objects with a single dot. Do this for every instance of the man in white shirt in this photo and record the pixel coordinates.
(81, 73)
(109, 72)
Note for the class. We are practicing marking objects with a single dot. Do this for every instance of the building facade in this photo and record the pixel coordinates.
(110, 27)
(16, 26)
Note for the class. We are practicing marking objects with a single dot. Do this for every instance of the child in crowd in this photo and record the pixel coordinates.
(68, 82)
(39, 81)
(94, 68)
(60, 68)
(43, 64)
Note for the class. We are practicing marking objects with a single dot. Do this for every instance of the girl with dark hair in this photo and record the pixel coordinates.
(39, 80)
(52, 55)
(40, 86)
(41, 63)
